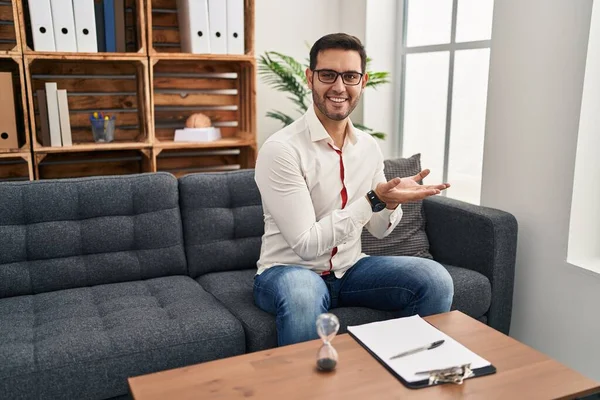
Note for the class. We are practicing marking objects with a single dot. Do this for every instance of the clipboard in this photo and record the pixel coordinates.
(427, 382)
(380, 333)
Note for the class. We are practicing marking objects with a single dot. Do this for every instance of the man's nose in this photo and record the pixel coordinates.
(338, 85)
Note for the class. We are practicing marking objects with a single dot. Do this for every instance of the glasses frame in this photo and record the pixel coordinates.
(338, 74)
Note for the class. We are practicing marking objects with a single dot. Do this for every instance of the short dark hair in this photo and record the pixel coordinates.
(341, 41)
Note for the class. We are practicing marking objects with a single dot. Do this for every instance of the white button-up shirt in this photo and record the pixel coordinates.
(313, 196)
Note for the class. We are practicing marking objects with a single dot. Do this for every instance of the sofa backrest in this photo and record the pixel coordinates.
(60, 234)
(222, 221)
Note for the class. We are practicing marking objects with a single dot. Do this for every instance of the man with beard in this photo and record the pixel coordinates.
(321, 181)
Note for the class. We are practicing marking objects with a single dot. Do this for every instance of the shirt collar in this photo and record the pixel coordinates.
(317, 130)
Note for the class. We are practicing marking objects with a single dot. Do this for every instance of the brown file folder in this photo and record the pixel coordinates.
(8, 119)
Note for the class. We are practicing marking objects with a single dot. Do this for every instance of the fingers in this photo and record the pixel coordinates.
(421, 175)
(441, 186)
(387, 186)
(421, 194)
(392, 193)
(416, 195)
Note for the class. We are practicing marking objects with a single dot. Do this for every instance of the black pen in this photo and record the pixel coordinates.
(418, 349)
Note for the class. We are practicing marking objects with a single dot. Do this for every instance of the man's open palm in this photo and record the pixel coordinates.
(404, 190)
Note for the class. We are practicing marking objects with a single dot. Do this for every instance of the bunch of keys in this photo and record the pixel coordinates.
(449, 375)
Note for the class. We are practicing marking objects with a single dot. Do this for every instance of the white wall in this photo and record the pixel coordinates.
(285, 26)
(536, 79)
(381, 106)
(353, 22)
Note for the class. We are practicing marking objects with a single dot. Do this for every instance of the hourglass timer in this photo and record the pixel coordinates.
(327, 327)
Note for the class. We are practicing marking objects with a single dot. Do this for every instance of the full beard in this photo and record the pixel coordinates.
(339, 115)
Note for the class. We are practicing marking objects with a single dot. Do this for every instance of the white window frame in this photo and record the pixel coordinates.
(452, 47)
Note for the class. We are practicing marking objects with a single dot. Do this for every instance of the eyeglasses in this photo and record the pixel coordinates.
(350, 78)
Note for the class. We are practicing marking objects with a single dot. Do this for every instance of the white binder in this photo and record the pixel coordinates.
(65, 120)
(193, 26)
(217, 17)
(64, 25)
(53, 115)
(41, 25)
(85, 25)
(235, 27)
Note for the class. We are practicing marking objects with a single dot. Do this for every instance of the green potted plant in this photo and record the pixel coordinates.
(286, 74)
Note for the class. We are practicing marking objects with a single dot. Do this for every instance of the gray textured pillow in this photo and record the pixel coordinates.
(409, 237)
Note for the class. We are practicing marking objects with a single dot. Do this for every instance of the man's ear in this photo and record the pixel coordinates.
(309, 78)
(365, 80)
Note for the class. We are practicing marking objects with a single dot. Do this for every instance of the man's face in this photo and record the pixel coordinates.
(336, 100)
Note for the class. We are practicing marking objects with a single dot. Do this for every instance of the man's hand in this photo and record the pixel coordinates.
(405, 190)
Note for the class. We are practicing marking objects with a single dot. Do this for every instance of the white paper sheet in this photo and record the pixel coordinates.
(388, 338)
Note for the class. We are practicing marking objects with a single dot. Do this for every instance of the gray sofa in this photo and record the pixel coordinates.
(110, 277)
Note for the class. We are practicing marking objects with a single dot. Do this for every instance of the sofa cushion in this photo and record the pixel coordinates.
(85, 342)
(409, 237)
(61, 234)
(235, 290)
(222, 221)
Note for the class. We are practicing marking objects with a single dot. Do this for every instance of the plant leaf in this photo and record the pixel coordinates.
(297, 68)
(377, 79)
(366, 129)
(363, 128)
(278, 115)
(283, 78)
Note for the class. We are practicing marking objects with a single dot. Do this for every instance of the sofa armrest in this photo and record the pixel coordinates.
(478, 238)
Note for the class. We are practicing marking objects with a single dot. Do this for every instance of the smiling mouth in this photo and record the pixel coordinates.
(338, 100)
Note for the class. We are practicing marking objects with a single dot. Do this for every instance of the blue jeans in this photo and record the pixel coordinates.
(405, 285)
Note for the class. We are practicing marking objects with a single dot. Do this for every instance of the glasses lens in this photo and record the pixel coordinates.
(327, 76)
(351, 78)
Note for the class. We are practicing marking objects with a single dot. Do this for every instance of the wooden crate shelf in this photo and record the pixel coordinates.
(224, 91)
(163, 29)
(80, 164)
(16, 167)
(184, 161)
(14, 64)
(135, 31)
(248, 58)
(118, 86)
(226, 142)
(10, 33)
(94, 147)
(151, 89)
(58, 55)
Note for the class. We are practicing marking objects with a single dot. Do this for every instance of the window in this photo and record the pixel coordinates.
(445, 61)
(584, 229)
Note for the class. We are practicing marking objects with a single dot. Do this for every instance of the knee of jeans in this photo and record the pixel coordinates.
(439, 279)
(304, 293)
(303, 303)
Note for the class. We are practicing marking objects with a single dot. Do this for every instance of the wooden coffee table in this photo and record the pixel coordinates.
(289, 373)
